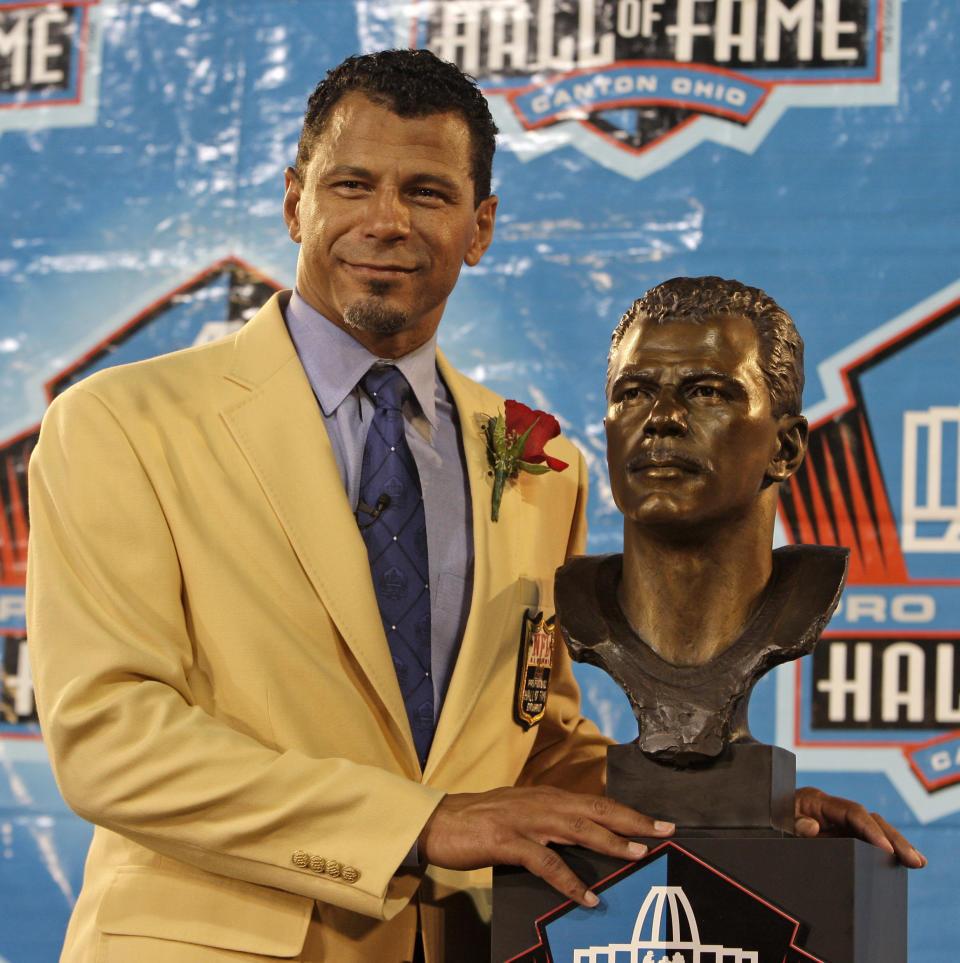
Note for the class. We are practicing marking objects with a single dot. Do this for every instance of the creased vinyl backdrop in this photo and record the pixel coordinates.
(806, 147)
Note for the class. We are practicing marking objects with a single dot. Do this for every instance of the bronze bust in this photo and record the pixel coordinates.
(703, 423)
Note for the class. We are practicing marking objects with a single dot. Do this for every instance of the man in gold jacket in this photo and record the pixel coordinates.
(213, 675)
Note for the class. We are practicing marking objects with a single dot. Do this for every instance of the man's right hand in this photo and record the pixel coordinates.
(515, 826)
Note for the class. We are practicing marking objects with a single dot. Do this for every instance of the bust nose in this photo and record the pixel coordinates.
(667, 416)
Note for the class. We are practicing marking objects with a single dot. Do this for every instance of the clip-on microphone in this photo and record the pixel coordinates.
(383, 503)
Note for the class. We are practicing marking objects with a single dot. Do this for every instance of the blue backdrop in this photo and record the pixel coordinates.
(142, 148)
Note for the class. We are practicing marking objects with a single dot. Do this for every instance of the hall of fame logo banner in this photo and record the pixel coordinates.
(50, 63)
(636, 84)
(882, 476)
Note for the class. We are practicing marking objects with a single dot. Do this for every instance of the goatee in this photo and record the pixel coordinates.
(373, 314)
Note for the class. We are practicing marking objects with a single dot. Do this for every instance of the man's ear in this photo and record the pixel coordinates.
(291, 203)
(792, 436)
(486, 214)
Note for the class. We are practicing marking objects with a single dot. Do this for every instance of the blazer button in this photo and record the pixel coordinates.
(349, 875)
(317, 863)
(333, 868)
(300, 858)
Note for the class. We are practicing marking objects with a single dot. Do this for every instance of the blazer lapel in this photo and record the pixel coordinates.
(494, 565)
(279, 428)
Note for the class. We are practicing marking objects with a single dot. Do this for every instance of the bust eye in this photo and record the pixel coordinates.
(630, 393)
(709, 392)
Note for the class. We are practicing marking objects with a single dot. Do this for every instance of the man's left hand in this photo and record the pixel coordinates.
(818, 814)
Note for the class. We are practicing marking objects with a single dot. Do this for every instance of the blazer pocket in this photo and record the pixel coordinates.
(216, 912)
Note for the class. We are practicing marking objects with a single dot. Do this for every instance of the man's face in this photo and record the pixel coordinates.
(691, 437)
(385, 218)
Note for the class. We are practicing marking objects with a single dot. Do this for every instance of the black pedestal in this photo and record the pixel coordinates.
(776, 900)
(748, 790)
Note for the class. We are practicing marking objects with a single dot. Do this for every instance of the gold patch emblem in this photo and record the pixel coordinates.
(533, 668)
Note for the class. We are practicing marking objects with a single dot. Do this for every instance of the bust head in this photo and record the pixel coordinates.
(703, 399)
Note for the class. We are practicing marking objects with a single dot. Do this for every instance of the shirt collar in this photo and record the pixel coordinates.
(335, 361)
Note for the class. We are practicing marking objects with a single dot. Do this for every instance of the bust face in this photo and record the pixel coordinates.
(691, 434)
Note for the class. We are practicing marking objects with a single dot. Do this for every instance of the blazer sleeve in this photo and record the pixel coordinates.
(132, 750)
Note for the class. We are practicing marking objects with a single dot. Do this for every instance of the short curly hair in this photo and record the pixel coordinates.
(699, 299)
(410, 83)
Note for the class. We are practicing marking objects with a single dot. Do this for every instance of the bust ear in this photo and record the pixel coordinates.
(791, 447)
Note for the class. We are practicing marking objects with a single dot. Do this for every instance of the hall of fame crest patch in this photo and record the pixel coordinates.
(533, 668)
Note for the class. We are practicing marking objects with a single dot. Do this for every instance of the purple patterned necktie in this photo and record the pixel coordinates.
(391, 519)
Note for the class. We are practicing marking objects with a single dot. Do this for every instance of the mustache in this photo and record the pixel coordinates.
(667, 458)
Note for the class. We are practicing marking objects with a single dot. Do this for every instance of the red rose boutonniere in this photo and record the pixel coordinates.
(515, 443)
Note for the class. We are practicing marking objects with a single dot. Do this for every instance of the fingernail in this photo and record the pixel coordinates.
(636, 850)
(590, 899)
(663, 827)
(920, 857)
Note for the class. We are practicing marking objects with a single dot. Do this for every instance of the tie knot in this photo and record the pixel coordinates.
(386, 385)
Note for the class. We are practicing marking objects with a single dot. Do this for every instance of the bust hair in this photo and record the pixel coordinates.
(700, 299)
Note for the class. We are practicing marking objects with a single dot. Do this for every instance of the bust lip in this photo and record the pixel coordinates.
(667, 463)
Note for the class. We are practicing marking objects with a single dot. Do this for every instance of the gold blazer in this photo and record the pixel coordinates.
(214, 684)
